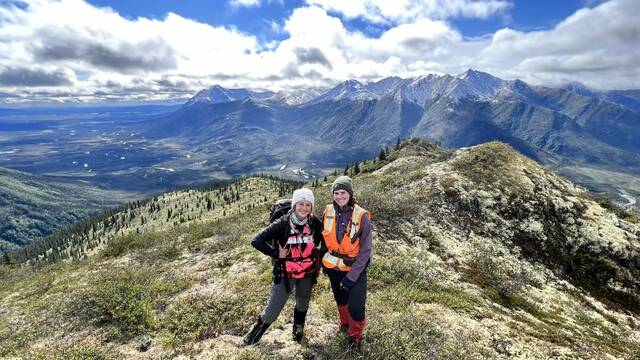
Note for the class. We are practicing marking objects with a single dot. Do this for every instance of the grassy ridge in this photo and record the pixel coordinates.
(460, 270)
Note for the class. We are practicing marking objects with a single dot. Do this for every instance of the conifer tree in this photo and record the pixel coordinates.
(382, 155)
(6, 258)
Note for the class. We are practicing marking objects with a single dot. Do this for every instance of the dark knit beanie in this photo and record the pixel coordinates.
(344, 183)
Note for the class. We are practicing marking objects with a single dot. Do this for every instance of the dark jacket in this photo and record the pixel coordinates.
(278, 232)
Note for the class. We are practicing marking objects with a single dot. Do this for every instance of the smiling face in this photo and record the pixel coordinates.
(341, 197)
(303, 209)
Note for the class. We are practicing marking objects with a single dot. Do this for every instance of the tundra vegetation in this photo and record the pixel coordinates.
(479, 253)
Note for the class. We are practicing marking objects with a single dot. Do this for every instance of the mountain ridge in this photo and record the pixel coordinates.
(478, 253)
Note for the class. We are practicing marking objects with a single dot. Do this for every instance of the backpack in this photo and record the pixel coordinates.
(278, 209)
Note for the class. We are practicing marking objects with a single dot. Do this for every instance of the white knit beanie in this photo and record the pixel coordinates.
(302, 194)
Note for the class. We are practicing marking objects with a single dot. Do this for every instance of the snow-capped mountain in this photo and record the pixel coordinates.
(350, 89)
(218, 94)
(294, 97)
(456, 110)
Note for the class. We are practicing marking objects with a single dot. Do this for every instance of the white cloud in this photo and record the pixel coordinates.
(69, 49)
(598, 46)
(236, 4)
(402, 11)
(244, 3)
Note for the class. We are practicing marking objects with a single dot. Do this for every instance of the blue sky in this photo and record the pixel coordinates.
(117, 50)
(525, 15)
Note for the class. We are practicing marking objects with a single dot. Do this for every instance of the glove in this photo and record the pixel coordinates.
(347, 284)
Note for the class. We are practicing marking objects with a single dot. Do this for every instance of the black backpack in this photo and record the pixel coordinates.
(279, 208)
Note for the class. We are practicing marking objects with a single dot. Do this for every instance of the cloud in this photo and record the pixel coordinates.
(403, 11)
(244, 3)
(20, 76)
(311, 55)
(98, 52)
(598, 46)
(252, 3)
(64, 43)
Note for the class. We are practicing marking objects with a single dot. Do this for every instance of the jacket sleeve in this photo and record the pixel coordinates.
(317, 232)
(323, 245)
(268, 237)
(364, 255)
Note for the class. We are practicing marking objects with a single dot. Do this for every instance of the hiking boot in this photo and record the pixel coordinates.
(355, 344)
(298, 333)
(356, 329)
(298, 325)
(344, 317)
(256, 332)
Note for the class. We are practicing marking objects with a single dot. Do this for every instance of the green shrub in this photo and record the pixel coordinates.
(198, 317)
(388, 204)
(410, 268)
(496, 268)
(124, 300)
(123, 244)
(166, 252)
(492, 165)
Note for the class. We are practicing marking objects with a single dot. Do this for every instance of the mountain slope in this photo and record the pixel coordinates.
(33, 206)
(478, 253)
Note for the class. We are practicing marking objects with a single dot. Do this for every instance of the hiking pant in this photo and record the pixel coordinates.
(279, 295)
(354, 298)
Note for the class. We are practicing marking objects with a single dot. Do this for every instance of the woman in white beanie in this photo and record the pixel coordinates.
(293, 241)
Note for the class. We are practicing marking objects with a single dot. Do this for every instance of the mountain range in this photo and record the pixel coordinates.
(247, 130)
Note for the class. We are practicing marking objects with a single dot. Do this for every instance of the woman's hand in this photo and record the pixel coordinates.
(282, 252)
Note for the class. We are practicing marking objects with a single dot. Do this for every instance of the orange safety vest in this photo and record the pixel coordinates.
(349, 245)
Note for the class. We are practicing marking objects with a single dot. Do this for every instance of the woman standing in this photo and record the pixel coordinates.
(292, 241)
(347, 241)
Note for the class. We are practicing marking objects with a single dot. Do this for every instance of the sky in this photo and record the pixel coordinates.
(76, 51)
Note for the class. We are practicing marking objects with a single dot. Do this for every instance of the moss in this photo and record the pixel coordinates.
(74, 353)
(522, 303)
(401, 298)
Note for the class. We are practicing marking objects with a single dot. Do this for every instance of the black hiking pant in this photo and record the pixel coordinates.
(354, 298)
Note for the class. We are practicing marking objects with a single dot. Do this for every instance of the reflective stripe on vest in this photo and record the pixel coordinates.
(349, 245)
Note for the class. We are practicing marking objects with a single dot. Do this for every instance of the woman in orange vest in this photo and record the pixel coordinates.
(347, 242)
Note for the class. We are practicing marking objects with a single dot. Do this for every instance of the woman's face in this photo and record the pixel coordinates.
(341, 197)
(303, 209)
